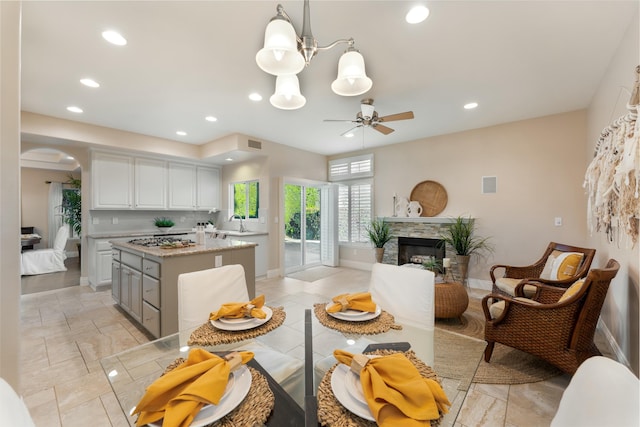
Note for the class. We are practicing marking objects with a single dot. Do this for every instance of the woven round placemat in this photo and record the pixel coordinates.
(332, 413)
(379, 325)
(207, 334)
(253, 410)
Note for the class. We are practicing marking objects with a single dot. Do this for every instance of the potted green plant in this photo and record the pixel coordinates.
(71, 208)
(379, 234)
(432, 264)
(460, 235)
(163, 223)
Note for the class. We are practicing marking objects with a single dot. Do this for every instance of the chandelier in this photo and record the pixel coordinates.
(285, 54)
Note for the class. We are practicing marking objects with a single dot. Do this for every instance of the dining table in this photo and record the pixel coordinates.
(130, 372)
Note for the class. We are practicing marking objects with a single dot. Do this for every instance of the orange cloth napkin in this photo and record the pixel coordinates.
(238, 310)
(178, 395)
(360, 301)
(394, 390)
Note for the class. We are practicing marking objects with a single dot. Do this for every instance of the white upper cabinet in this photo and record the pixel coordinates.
(182, 186)
(112, 177)
(208, 188)
(150, 184)
(125, 182)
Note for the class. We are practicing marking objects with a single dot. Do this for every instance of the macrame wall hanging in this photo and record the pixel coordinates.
(612, 179)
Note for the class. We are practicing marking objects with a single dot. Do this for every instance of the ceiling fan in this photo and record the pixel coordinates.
(368, 117)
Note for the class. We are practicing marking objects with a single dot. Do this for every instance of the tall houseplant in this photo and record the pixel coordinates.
(460, 235)
(72, 209)
(72, 205)
(379, 234)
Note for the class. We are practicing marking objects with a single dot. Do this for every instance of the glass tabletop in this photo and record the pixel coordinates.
(456, 373)
(131, 371)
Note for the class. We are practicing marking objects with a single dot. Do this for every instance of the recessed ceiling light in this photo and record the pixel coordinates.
(348, 135)
(90, 82)
(417, 14)
(181, 133)
(229, 159)
(255, 97)
(470, 106)
(114, 37)
(211, 119)
(74, 109)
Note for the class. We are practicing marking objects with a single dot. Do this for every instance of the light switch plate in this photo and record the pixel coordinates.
(218, 261)
(558, 221)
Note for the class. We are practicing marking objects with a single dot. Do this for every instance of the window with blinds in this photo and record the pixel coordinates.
(351, 168)
(355, 196)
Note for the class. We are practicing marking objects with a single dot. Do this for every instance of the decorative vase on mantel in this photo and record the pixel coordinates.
(463, 267)
(379, 254)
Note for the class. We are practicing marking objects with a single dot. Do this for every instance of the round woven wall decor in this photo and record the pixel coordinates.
(432, 197)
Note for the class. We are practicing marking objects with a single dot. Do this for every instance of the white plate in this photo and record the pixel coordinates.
(237, 389)
(236, 321)
(354, 387)
(356, 316)
(252, 323)
(339, 387)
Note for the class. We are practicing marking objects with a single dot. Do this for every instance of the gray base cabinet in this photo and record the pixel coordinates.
(146, 286)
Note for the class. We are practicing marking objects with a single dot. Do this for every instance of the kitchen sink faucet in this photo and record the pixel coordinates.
(241, 229)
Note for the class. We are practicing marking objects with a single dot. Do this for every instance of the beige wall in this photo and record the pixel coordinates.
(279, 161)
(620, 313)
(34, 201)
(539, 165)
(10, 191)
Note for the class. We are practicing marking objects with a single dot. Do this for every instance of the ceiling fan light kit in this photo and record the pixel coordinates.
(286, 53)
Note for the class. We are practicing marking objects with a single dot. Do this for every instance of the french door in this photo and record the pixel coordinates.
(308, 226)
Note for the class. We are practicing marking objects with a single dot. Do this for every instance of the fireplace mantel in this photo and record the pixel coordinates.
(422, 219)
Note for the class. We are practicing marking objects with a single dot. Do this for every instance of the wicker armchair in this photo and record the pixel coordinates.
(560, 332)
(532, 272)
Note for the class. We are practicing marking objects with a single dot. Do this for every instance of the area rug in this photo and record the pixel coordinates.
(507, 366)
(314, 273)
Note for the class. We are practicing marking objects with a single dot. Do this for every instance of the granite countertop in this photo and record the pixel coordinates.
(212, 245)
(143, 233)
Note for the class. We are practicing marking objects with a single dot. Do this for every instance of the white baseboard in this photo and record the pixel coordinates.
(617, 351)
(84, 281)
(273, 273)
(358, 265)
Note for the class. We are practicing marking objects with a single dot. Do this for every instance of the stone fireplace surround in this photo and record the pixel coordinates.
(421, 227)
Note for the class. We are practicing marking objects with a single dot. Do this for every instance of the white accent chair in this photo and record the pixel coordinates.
(602, 392)
(50, 260)
(201, 292)
(13, 411)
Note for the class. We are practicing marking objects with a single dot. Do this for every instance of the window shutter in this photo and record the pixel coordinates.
(351, 168)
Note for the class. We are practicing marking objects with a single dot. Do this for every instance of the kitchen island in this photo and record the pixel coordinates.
(145, 278)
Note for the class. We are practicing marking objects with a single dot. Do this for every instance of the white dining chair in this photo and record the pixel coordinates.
(50, 260)
(408, 295)
(204, 291)
(13, 411)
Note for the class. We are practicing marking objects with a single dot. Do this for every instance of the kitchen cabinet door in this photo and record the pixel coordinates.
(150, 184)
(182, 186)
(115, 281)
(112, 177)
(208, 188)
(135, 282)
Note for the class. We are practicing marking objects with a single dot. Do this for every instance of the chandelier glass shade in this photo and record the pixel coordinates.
(287, 95)
(285, 54)
(280, 53)
(352, 79)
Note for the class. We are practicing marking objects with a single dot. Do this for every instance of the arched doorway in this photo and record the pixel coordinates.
(50, 179)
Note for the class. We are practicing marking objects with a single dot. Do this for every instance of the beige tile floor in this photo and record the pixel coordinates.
(65, 332)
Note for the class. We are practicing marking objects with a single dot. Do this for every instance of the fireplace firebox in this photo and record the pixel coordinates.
(414, 250)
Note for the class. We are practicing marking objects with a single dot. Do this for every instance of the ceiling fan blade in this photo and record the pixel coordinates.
(382, 129)
(338, 120)
(350, 130)
(400, 116)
